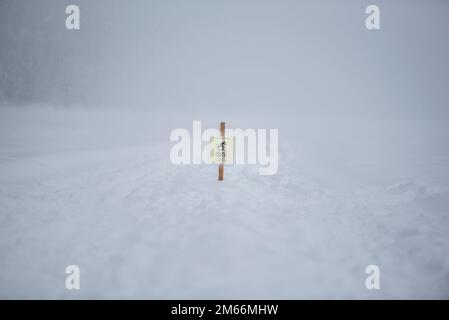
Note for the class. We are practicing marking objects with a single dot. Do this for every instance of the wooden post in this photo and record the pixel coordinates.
(221, 165)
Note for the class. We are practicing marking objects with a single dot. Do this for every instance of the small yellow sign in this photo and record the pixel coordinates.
(222, 150)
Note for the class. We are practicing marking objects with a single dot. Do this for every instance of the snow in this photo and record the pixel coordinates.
(96, 188)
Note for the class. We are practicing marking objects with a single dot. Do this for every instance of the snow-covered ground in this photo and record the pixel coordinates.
(96, 188)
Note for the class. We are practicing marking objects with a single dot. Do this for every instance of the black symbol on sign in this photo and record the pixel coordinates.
(222, 146)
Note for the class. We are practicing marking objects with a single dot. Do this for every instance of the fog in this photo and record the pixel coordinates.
(288, 57)
(86, 177)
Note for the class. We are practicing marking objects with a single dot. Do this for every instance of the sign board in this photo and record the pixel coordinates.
(222, 150)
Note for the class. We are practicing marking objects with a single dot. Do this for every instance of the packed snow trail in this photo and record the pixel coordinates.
(97, 189)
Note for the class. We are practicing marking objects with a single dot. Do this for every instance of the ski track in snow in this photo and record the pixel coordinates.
(140, 227)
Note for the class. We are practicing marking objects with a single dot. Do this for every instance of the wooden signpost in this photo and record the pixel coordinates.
(221, 165)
